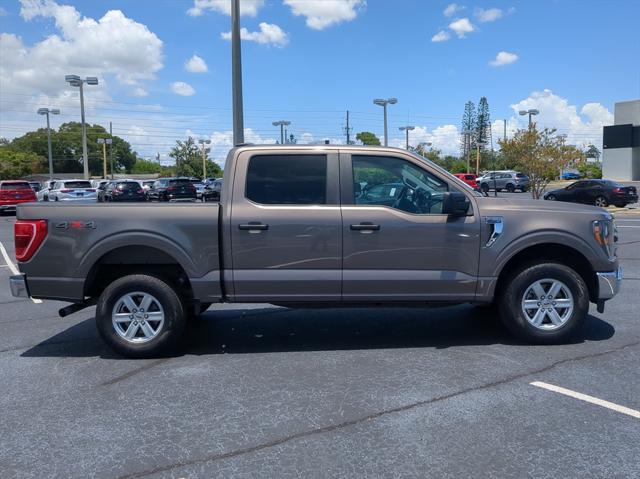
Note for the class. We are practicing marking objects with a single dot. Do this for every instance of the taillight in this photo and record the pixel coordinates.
(140, 191)
(91, 190)
(28, 236)
(66, 191)
(170, 188)
(617, 190)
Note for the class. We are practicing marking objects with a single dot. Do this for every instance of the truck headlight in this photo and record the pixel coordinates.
(604, 232)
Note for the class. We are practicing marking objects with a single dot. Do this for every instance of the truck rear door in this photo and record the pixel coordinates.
(286, 226)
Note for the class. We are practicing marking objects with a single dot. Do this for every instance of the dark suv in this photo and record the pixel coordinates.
(121, 191)
(172, 189)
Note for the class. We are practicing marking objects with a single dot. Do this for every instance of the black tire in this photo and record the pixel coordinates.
(601, 201)
(169, 333)
(511, 300)
(511, 188)
(551, 198)
(620, 205)
(484, 188)
(498, 189)
(524, 189)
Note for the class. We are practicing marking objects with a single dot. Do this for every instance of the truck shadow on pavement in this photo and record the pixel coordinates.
(282, 330)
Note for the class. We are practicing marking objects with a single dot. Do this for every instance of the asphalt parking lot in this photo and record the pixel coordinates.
(261, 391)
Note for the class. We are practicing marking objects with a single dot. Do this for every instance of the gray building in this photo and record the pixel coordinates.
(621, 143)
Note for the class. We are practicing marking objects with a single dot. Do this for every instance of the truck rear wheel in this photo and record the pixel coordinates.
(544, 303)
(140, 316)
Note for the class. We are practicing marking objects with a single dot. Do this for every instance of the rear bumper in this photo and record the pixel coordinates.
(609, 284)
(18, 286)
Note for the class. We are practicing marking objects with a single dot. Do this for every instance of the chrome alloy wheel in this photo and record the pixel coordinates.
(547, 304)
(137, 317)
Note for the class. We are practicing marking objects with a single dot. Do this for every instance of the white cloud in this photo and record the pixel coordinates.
(503, 58)
(488, 15)
(247, 7)
(555, 112)
(451, 9)
(461, 27)
(321, 14)
(445, 138)
(268, 34)
(84, 46)
(138, 91)
(222, 141)
(182, 88)
(196, 64)
(441, 36)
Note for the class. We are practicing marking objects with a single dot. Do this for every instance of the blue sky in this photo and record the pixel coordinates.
(308, 61)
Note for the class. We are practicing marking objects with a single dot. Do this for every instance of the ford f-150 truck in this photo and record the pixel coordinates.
(312, 226)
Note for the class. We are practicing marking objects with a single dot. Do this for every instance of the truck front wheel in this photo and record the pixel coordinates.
(544, 303)
(140, 316)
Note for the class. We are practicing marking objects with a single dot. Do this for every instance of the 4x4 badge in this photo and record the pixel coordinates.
(76, 225)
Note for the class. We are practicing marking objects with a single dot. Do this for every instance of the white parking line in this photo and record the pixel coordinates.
(587, 398)
(13, 268)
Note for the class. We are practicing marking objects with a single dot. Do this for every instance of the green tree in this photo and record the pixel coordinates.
(539, 154)
(483, 125)
(66, 145)
(188, 158)
(17, 164)
(468, 127)
(592, 152)
(368, 138)
(145, 166)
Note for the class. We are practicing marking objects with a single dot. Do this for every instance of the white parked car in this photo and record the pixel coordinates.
(72, 190)
(43, 193)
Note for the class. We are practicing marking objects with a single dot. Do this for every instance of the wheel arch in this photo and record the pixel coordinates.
(553, 252)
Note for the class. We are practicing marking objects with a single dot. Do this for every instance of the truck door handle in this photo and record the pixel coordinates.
(365, 226)
(253, 225)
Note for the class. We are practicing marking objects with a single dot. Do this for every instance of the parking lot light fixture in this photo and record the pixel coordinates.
(281, 124)
(47, 112)
(204, 142)
(531, 113)
(383, 103)
(407, 129)
(75, 80)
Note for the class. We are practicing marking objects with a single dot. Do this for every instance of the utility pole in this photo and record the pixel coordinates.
(111, 148)
(47, 111)
(347, 130)
(236, 74)
(467, 148)
(104, 142)
(504, 133)
(75, 80)
(204, 157)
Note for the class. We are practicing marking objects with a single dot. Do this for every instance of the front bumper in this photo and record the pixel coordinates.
(18, 286)
(609, 284)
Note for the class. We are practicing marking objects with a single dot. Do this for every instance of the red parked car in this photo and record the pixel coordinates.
(14, 192)
(468, 178)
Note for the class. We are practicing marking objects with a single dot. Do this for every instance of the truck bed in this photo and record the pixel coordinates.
(83, 237)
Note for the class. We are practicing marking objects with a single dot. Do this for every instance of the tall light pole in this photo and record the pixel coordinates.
(47, 111)
(75, 80)
(236, 74)
(104, 142)
(531, 113)
(204, 157)
(407, 129)
(281, 124)
(383, 103)
(478, 145)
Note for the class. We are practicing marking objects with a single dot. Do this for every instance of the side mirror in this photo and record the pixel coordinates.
(455, 203)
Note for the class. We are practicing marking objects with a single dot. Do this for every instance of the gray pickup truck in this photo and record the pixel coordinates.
(313, 226)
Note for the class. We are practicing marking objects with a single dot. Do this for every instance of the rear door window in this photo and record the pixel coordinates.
(287, 179)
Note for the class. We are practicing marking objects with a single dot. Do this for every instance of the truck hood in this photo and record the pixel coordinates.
(494, 206)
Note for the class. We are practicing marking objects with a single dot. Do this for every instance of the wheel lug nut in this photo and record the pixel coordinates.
(141, 310)
(135, 323)
(131, 316)
(146, 316)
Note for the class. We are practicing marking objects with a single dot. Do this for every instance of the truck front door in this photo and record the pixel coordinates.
(401, 247)
(286, 227)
